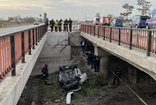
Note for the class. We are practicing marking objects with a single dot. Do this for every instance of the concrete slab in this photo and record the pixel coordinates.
(54, 38)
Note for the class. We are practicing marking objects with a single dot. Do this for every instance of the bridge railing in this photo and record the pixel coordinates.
(14, 46)
(144, 39)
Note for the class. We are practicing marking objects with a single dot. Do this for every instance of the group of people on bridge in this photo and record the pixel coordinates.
(58, 25)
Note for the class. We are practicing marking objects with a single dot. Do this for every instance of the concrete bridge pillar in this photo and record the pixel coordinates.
(132, 74)
(104, 60)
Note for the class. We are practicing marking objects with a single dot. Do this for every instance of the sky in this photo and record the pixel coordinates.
(62, 9)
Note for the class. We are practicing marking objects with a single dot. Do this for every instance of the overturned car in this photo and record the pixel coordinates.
(71, 77)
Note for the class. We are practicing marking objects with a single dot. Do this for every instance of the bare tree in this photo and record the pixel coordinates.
(129, 10)
(97, 14)
(145, 9)
(110, 15)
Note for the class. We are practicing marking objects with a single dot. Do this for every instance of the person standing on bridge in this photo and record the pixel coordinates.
(66, 25)
(117, 76)
(52, 23)
(45, 72)
(56, 25)
(60, 25)
(46, 23)
(70, 24)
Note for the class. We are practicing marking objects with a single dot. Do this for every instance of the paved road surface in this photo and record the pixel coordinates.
(9, 30)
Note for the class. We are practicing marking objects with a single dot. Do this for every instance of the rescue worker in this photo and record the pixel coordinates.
(70, 24)
(60, 25)
(46, 23)
(66, 25)
(45, 72)
(96, 64)
(89, 57)
(93, 57)
(118, 73)
(56, 25)
(86, 47)
(52, 23)
(83, 43)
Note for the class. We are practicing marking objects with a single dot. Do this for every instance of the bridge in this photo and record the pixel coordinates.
(21, 46)
(135, 46)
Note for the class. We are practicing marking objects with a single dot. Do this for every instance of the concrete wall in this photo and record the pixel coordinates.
(53, 55)
(135, 57)
(12, 86)
(56, 37)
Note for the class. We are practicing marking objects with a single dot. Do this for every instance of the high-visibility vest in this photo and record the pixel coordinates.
(56, 23)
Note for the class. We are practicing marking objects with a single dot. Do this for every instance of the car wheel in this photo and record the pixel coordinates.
(136, 26)
(147, 27)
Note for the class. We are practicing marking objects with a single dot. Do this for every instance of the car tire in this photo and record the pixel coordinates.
(147, 27)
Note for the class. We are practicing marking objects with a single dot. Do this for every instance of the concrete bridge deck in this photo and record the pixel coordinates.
(135, 57)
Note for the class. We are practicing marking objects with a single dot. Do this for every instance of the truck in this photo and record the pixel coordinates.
(138, 21)
(151, 21)
(105, 21)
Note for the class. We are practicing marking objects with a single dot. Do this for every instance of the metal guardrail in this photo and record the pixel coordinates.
(14, 46)
(144, 39)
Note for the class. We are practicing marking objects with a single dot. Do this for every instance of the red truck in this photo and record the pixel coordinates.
(105, 21)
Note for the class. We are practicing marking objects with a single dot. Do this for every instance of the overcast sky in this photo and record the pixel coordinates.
(62, 9)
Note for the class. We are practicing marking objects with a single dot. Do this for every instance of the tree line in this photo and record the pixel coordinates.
(18, 19)
(144, 8)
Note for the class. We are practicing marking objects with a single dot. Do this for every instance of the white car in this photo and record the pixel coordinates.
(36, 23)
(71, 77)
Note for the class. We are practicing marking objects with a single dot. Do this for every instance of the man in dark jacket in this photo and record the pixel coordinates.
(60, 25)
(97, 64)
(45, 72)
(52, 23)
(46, 23)
(93, 57)
(118, 73)
(70, 24)
(89, 57)
(66, 25)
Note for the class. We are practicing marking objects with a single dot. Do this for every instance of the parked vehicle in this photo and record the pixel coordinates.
(105, 21)
(151, 22)
(117, 22)
(36, 23)
(71, 77)
(96, 21)
(138, 21)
